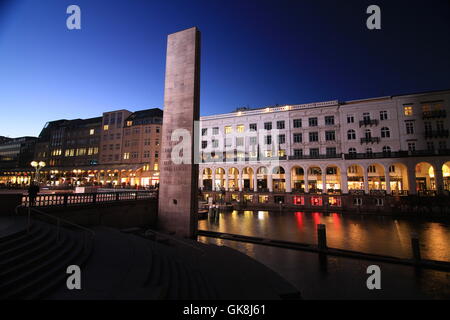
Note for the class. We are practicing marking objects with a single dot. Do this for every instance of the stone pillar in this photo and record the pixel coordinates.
(366, 181)
(240, 181)
(324, 181)
(439, 179)
(178, 202)
(255, 181)
(226, 180)
(288, 176)
(305, 177)
(270, 182)
(387, 180)
(344, 181)
(213, 180)
(412, 180)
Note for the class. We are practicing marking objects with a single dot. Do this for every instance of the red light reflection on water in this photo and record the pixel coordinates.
(336, 221)
(299, 217)
(316, 218)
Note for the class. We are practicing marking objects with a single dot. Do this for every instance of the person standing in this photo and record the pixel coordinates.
(33, 191)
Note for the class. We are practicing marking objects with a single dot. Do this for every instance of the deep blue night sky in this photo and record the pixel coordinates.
(254, 53)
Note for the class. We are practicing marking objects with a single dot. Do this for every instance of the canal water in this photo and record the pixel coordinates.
(369, 234)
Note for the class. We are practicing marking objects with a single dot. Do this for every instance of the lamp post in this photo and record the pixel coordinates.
(38, 166)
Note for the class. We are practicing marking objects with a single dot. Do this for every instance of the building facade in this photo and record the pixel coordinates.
(390, 145)
(16, 153)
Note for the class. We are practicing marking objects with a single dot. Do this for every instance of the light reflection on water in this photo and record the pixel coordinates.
(370, 234)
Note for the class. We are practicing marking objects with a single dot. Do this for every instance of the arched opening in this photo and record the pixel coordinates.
(233, 177)
(398, 174)
(355, 177)
(376, 178)
(298, 179)
(446, 175)
(333, 179)
(279, 179)
(207, 179)
(315, 179)
(261, 174)
(247, 177)
(425, 179)
(219, 179)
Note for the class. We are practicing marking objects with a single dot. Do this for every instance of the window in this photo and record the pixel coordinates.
(106, 127)
(368, 134)
(314, 152)
(440, 125)
(228, 143)
(369, 151)
(253, 141)
(330, 136)
(366, 116)
(204, 144)
(297, 123)
(350, 118)
(428, 127)
(383, 115)
(268, 125)
(298, 152)
(129, 123)
(281, 139)
(379, 202)
(228, 129)
(204, 131)
(408, 110)
(331, 152)
(281, 153)
(313, 122)
(411, 146)
(146, 154)
(442, 145)
(371, 169)
(386, 150)
(352, 151)
(313, 136)
(239, 141)
(430, 145)
(215, 130)
(392, 169)
(385, 133)
(215, 143)
(357, 201)
(126, 156)
(253, 127)
(280, 125)
(240, 128)
(351, 134)
(91, 132)
(297, 138)
(409, 127)
(268, 140)
(329, 120)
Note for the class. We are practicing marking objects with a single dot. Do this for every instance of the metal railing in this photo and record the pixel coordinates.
(65, 199)
(58, 223)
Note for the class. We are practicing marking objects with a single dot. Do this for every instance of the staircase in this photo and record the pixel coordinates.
(34, 262)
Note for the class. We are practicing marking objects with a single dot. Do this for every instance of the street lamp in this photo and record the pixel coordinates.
(38, 166)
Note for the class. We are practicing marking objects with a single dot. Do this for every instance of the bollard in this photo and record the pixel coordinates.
(322, 237)
(415, 245)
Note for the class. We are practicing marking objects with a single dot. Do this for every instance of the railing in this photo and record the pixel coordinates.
(58, 224)
(437, 134)
(368, 122)
(65, 199)
(370, 140)
(400, 193)
(434, 114)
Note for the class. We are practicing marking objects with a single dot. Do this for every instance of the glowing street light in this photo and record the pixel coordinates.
(38, 166)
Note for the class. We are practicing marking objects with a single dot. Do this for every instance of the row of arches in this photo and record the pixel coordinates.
(395, 177)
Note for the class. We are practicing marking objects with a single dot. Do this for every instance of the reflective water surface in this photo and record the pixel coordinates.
(369, 234)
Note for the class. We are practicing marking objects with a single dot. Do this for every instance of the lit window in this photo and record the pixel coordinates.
(240, 128)
(126, 156)
(106, 127)
(129, 123)
(91, 132)
(408, 110)
(228, 129)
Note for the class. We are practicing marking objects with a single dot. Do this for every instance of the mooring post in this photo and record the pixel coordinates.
(415, 245)
(322, 237)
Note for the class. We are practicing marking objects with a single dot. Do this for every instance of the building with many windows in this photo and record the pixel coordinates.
(390, 145)
(16, 153)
